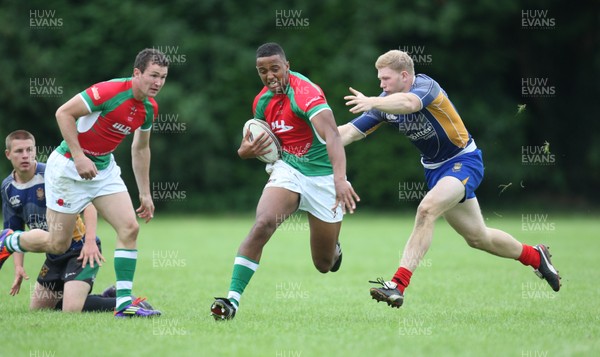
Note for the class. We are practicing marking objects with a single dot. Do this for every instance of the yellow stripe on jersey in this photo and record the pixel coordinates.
(373, 129)
(443, 111)
(79, 230)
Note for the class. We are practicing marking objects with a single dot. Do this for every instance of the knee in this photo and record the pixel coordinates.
(58, 246)
(477, 240)
(474, 242)
(426, 211)
(264, 227)
(129, 231)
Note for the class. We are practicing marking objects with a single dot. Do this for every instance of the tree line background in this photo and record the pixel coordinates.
(522, 74)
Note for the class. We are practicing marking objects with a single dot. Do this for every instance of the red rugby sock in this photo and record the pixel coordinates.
(402, 278)
(530, 256)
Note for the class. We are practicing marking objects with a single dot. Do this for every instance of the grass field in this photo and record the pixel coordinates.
(461, 302)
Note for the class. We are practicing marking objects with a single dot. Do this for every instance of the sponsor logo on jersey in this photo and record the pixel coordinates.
(278, 126)
(457, 167)
(313, 99)
(121, 128)
(132, 113)
(391, 117)
(39, 193)
(423, 134)
(95, 93)
(15, 201)
(44, 271)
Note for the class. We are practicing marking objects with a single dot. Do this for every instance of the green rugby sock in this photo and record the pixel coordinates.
(243, 269)
(12, 243)
(125, 261)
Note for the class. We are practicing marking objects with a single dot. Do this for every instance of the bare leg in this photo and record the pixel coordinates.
(75, 293)
(466, 219)
(58, 238)
(118, 211)
(323, 238)
(274, 207)
(445, 195)
(44, 298)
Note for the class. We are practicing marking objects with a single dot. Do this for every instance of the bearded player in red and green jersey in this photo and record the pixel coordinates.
(310, 176)
(83, 170)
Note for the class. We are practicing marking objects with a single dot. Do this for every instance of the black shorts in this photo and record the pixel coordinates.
(57, 271)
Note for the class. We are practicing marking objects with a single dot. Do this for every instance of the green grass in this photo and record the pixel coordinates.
(461, 302)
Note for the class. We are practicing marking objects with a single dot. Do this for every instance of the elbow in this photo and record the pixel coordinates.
(415, 107)
(346, 140)
(140, 152)
(352, 137)
(59, 115)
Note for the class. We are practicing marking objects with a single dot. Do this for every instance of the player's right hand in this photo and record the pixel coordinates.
(90, 253)
(85, 167)
(359, 102)
(345, 196)
(20, 274)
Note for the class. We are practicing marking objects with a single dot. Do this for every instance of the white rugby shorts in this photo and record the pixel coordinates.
(67, 192)
(317, 193)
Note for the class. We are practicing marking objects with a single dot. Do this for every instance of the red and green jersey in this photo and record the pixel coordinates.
(289, 114)
(114, 113)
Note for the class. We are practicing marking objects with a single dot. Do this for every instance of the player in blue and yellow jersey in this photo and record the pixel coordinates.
(311, 175)
(65, 279)
(419, 108)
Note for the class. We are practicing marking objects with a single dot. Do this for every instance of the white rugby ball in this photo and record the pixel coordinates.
(257, 127)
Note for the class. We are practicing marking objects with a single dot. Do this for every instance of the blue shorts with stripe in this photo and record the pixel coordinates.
(468, 168)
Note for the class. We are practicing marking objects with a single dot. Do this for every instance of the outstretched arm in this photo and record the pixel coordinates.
(349, 134)
(395, 103)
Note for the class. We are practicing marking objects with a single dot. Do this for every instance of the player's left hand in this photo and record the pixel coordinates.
(20, 274)
(345, 196)
(250, 149)
(360, 102)
(90, 253)
(146, 209)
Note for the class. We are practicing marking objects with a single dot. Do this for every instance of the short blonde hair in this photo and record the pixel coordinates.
(18, 135)
(397, 60)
